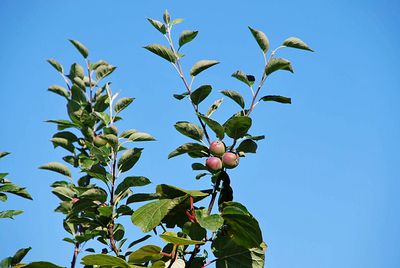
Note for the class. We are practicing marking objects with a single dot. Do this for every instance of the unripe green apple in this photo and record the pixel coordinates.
(214, 163)
(230, 160)
(98, 141)
(217, 148)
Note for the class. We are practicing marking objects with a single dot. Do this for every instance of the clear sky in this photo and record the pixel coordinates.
(325, 183)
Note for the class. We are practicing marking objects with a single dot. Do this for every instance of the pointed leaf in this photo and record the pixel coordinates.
(190, 130)
(145, 254)
(80, 47)
(241, 76)
(235, 96)
(189, 148)
(158, 25)
(104, 70)
(162, 51)
(186, 37)
(104, 260)
(9, 213)
(276, 64)
(141, 136)
(201, 66)
(122, 104)
(295, 42)
(247, 146)
(132, 181)
(181, 96)
(261, 39)
(171, 237)
(19, 255)
(56, 65)
(214, 125)
(57, 167)
(200, 94)
(276, 98)
(59, 90)
(129, 159)
(3, 154)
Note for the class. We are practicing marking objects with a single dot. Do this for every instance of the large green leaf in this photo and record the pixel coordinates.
(19, 255)
(201, 66)
(162, 51)
(104, 71)
(295, 42)
(59, 90)
(104, 260)
(171, 237)
(247, 146)
(42, 264)
(150, 215)
(200, 94)
(237, 126)
(140, 136)
(276, 64)
(129, 159)
(230, 255)
(276, 98)
(132, 181)
(76, 71)
(158, 25)
(186, 37)
(169, 191)
(56, 65)
(235, 96)
(15, 189)
(190, 130)
(190, 148)
(81, 48)
(145, 254)
(10, 213)
(57, 167)
(243, 228)
(261, 39)
(141, 198)
(122, 104)
(209, 222)
(214, 125)
(241, 76)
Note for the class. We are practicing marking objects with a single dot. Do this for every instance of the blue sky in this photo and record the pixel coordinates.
(324, 184)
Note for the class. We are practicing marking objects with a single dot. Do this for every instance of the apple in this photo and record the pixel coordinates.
(214, 163)
(74, 200)
(230, 160)
(217, 148)
(98, 141)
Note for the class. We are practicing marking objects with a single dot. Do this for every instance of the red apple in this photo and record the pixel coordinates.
(214, 163)
(74, 200)
(217, 148)
(230, 160)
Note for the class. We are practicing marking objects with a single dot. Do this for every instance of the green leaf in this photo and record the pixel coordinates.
(255, 138)
(3, 154)
(189, 148)
(104, 260)
(214, 125)
(295, 42)
(209, 222)
(42, 264)
(132, 181)
(129, 159)
(140, 136)
(141, 198)
(213, 107)
(247, 146)
(64, 143)
(144, 238)
(194, 230)
(243, 227)
(169, 191)
(200, 94)
(59, 90)
(181, 96)
(76, 71)
(19, 255)
(231, 255)
(201, 66)
(150, 215)
(15, 189)
(241, 76)
(237, 126)
(158, 25)
(104, 71)
(162, 51)
(235, 96)
(10, 213)
(186, 37)
(276, 98)
(190, 130)
(276, 64)
(176, 21)
(199, 166)
(171, 237)
(261, 39)
(201, 175)
(66, 135)
(80, 47)
(166, 17)
(63, 124)
(145, 254)
(56, 65)
(122, 104)
(57, 167)
(3, 198)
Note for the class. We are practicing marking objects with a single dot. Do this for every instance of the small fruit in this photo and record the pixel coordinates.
(230, 160)
(217, 148)
(74, 200)
(98, 141)
(214, 163)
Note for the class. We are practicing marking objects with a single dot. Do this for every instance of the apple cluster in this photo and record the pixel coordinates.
(221, 158)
